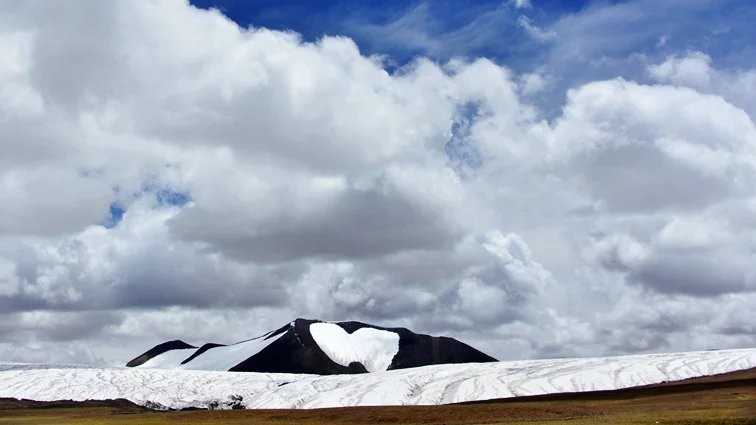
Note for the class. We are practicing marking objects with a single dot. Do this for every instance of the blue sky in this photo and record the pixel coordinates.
(570, 42)
(494, 29)
(402, 29)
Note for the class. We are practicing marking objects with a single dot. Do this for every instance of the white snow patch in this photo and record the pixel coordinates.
(217, 358)
(374, 348)
(430, 385)
(224, 358)
(169, 359)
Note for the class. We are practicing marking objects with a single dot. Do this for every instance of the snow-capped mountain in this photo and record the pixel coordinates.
(315, 347)
(430, 385)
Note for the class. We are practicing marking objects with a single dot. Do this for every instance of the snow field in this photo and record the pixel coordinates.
(429, 385)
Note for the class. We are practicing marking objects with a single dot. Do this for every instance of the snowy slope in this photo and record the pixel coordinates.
(169, 359)
(425, 385)
(374, 348)
(218, 358)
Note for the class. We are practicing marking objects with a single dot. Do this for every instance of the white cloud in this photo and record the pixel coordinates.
(695, 69)
(539, 34)
(318, 184)
(698, 256)
(691, 70)
(532, 83)
(30, 203)
(9, 281)
(663, 146)
(693, 232)
(521, 4)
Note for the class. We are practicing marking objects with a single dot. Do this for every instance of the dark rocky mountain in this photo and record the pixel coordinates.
(325, 348)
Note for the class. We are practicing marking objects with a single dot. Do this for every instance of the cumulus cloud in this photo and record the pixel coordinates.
(291, 217)
(677, 270)
(695, 69)
(662, 146)
(532, 83)
(135, 264)
(165, 174)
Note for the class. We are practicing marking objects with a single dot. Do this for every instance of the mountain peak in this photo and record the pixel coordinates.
(316, 347)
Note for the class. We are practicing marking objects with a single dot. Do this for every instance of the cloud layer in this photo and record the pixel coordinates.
(165, 173)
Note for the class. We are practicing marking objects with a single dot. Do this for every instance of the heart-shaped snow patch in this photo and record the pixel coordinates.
(374, 348)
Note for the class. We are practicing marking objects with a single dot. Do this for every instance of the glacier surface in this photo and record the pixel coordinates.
(429, 385)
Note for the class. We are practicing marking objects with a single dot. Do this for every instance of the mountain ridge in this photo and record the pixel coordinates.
(157, 350)
(334, 348)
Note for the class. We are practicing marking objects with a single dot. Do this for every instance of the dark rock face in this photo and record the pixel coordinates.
(417, 350)
(158, 350)
(295, 351)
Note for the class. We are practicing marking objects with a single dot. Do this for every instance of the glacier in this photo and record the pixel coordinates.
(428, 385)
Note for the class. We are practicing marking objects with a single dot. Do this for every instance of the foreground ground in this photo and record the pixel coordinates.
(722, 399)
